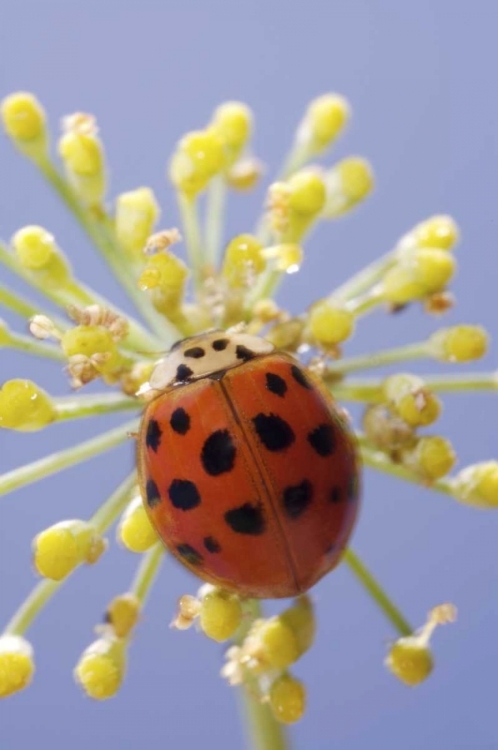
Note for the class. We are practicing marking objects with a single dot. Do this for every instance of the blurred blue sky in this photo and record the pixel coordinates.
(421, 77)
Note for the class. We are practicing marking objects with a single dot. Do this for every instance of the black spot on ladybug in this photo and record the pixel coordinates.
(297, 497)
(335, 494)
(211, 544)
(330, 549)
(220, 344)
(247, 519)
(183, 373)
(276, 384)
(300, 377)
(243, 353)
(184, 494)
(218, 453)
(152, 493)
(189, 554)
(322, 439)
(180, 421)
(153, 435)
(352, 489)
(195, 353)
(273, 431)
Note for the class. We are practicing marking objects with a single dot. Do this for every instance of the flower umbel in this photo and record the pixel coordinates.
(226, 284)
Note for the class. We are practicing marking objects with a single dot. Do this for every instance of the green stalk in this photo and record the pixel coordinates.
(364, 279)
(37, 470)
(215, 211)
(147, 571)
(375, 590)
(33, 346)
(190, 218)
(380, 359)
(263, 730)
(75, 407)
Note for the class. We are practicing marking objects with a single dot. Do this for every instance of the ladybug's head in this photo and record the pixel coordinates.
(206, 355)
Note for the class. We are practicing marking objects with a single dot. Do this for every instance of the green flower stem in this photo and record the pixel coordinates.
(98, 229)
(147, 571)
(265, 287)
(364, 279)
(381, 462)
(74, 293)
(297, 157)
(25, 308)
(379, 359)
(190, 217)
(357, 390)
(215, 212)
(368, 390)
(365, 303)
(30, 473)
(74, 407)
(44, 590)
(33, 346)
(263, 730)
(375, 590)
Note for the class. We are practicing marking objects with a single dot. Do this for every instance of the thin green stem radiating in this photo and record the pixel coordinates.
(375, 590)
(23, 307)
(370, 389)
(364, 279)
(215, 212)
(263, 731)
(379, 359)
(32, 346)
(75, 407)
(147, 571)
(190, 217)
(54, 463)
(101, 233)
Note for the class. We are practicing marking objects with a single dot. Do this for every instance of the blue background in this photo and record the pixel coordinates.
(421, 77)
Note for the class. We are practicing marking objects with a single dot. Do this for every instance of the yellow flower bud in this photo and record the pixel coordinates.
(122, 614)
(275, 643)
(410, 661)
(287, 257)
(58, 550)
(16, 664)
(431, 457)
(220, 614)
(198, 158)
(232, 122)
(330, 323)
(24, 121)
(244, 174)
(287, 699)
(135, 530)
(477, 485)
(307, 193)
(137, 213)
(101, 669)
(244, 259)
(438, 231)
(287, 335)
(300, 619)
(25, 407)
(165, 275)
(347, 183)
(324, 120)
(92, 340)
(399, 286)
(432, 268)
(83, 157)
(38, 253)
(463, 343)
(411, 399)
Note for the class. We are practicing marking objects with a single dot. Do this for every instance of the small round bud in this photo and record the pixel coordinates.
(135, 530)
(384, 429)
(137, 213)
(244, 259)
(411, 399)
(83, 155)
(199, 156)
(300, 618)
(399, 286)
(25, 407)
(432, 268)
(122, 614)
(245, 173)
(232, 122)
(477, 485)
(58, 550)
(275, 644)
(307, 193)
(220, 614)
(324, 120)
(24, 119)
(38, 253)
(165, 275)
(431, 457)
(463, 343)
(188, 610)
(410, 660)
(101, 669)
(348, 183)
(287, 699)
(16, 664)
(286, 335)
(330, 324)
(91, 340)
(438, 231)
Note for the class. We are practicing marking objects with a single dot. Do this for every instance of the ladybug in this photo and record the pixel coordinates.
(247, 468)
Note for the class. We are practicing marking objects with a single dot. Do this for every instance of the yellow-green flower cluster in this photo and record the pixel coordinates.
(227, 281)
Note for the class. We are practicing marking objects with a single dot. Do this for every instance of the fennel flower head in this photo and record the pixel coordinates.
(222, 301)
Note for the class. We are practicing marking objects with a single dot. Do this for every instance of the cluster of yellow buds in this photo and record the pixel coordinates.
(231, 282)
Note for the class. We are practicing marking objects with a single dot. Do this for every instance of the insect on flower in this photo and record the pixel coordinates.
(248, 469)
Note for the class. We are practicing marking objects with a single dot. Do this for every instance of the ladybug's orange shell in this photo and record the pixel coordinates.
(251, 480)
